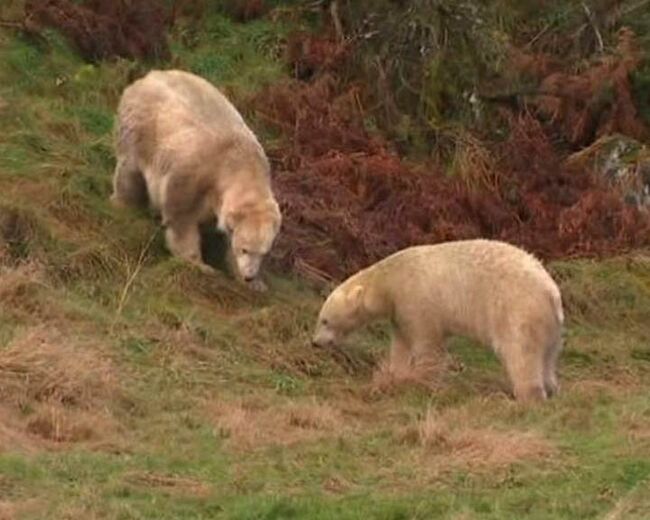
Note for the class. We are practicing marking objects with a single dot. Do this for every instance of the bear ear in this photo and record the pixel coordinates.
(355, 297)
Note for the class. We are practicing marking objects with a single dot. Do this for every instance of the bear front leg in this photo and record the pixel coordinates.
(427, 345)
(184, 241)
(129, 186)
(400, 355)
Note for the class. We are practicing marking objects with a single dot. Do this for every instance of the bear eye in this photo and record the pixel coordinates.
(324, 322)
(244, 251)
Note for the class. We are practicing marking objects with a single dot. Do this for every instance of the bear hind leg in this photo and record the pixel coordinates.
(525, 366)
(184, 241)
(550, 368)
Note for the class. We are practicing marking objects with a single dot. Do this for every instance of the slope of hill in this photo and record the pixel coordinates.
(133, 386)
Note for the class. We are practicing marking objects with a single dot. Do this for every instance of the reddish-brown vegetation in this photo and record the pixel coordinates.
(595, 102)
(309, 54)
(349, 199)
(245, 10)
(102, 29)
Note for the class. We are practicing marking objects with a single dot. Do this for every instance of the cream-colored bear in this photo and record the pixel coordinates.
(490, 291)
(182, 147)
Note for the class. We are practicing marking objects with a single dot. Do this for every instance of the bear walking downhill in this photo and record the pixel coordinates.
(182, 147)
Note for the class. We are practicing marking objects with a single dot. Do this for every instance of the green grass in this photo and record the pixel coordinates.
(216, 407)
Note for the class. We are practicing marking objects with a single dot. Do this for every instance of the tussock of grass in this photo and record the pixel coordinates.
(22, 234)
(255, 424)
(61, 390)
(427, 374)
(19, 286)
(452, 442)
(41, 365)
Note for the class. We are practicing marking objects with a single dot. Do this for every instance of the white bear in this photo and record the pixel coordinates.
(487, 290)
(182, 147)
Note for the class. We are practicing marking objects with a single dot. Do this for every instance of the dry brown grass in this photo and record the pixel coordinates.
(10, 510)
(18, 284)
(635, 426)
(252, 424)
(26, 292)
(474, 164)
(56, 390)
(6, 511)
(627, 385)
(635, 505)
(12, 434)
(42, 365)
(428, 374)
(452, 440)
(60, 425)
(170, 484)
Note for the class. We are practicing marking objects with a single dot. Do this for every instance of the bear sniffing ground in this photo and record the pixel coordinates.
(134, 386)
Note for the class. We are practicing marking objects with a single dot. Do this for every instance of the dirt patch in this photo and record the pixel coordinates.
(56, 390)
(102, 29)
(254, 424)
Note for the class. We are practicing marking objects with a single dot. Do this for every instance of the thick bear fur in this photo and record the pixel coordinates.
(487, 290)
(183, 148)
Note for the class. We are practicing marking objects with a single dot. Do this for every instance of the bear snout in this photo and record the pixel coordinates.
(322, 340)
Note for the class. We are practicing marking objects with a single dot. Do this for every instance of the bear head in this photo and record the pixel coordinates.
(341, 313)
(252, 231)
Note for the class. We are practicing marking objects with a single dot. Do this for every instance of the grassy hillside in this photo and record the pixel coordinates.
(133, 386)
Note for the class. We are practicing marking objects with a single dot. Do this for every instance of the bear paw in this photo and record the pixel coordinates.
(204, 268)
(117, 202)
(257, 285)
